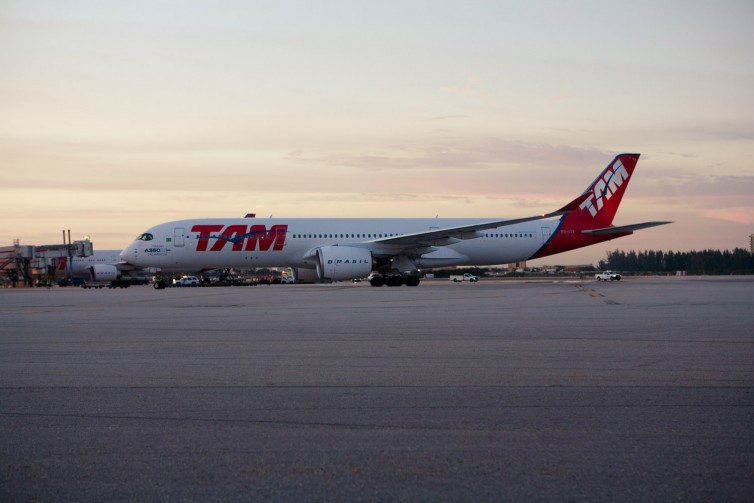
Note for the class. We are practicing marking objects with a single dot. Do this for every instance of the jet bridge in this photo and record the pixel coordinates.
(18, 261)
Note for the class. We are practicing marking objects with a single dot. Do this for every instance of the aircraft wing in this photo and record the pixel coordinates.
(125, 266)
(449, 235)
(606, 231)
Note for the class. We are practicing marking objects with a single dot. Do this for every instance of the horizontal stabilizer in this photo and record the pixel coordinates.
(606, 231)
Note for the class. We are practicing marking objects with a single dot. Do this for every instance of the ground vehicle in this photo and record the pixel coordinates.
(186, 281)
(457, 278)
(607, 276)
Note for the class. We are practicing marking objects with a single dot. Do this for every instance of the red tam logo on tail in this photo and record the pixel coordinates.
(605, 187)
(596, 209)
(604, 195)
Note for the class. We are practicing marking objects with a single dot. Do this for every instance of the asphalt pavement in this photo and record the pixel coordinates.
(556, 390)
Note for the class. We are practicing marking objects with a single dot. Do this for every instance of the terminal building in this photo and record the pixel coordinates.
(26, 265)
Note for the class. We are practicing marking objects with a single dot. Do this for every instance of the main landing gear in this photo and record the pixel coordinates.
(394, 279)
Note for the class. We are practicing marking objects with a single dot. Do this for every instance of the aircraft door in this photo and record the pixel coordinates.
(546, 232)
(178, 236)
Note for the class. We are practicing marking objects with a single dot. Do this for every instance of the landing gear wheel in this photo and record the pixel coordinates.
(376, 280)
(395, 280)
(412, 281)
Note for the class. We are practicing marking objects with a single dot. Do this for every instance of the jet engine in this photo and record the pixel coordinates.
(104, 272)
(343, 262)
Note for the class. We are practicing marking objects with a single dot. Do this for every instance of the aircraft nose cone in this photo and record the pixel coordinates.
(129, 253)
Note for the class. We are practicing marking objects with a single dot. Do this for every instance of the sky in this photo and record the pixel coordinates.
(117, 116)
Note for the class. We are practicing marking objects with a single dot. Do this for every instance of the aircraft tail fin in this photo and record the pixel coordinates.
(588, 218)
(604, 194)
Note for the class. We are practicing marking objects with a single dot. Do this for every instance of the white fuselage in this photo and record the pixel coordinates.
(81, 265)
(190, 245)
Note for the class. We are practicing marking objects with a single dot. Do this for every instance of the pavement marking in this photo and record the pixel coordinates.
(596, 295)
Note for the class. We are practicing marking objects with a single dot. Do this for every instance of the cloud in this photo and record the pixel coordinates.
(729, 131)
(740, 215)
(703, 183)
(464, 153)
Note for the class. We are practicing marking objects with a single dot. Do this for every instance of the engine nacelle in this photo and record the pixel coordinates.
(104, 272)
(337, 263)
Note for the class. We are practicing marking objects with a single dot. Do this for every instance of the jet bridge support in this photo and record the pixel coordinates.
(15, 262)
(18, 261)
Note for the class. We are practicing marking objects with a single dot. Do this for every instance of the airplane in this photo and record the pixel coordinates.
(100, 266)
(388, 250)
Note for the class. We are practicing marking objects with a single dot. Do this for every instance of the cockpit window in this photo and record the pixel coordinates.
(145, 237)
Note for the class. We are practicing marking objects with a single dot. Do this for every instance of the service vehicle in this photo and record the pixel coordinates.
(186, 281)
(607, 276)
(458, 278)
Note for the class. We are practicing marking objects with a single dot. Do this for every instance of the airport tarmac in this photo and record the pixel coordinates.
(638, 390)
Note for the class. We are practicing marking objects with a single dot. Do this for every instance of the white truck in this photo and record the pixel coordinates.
(607, 276)
(186, 281)
(458, 278)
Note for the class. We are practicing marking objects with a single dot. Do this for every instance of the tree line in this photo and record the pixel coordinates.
(737, 261)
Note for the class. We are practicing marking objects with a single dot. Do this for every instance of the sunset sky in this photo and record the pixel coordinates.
(116, 116)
